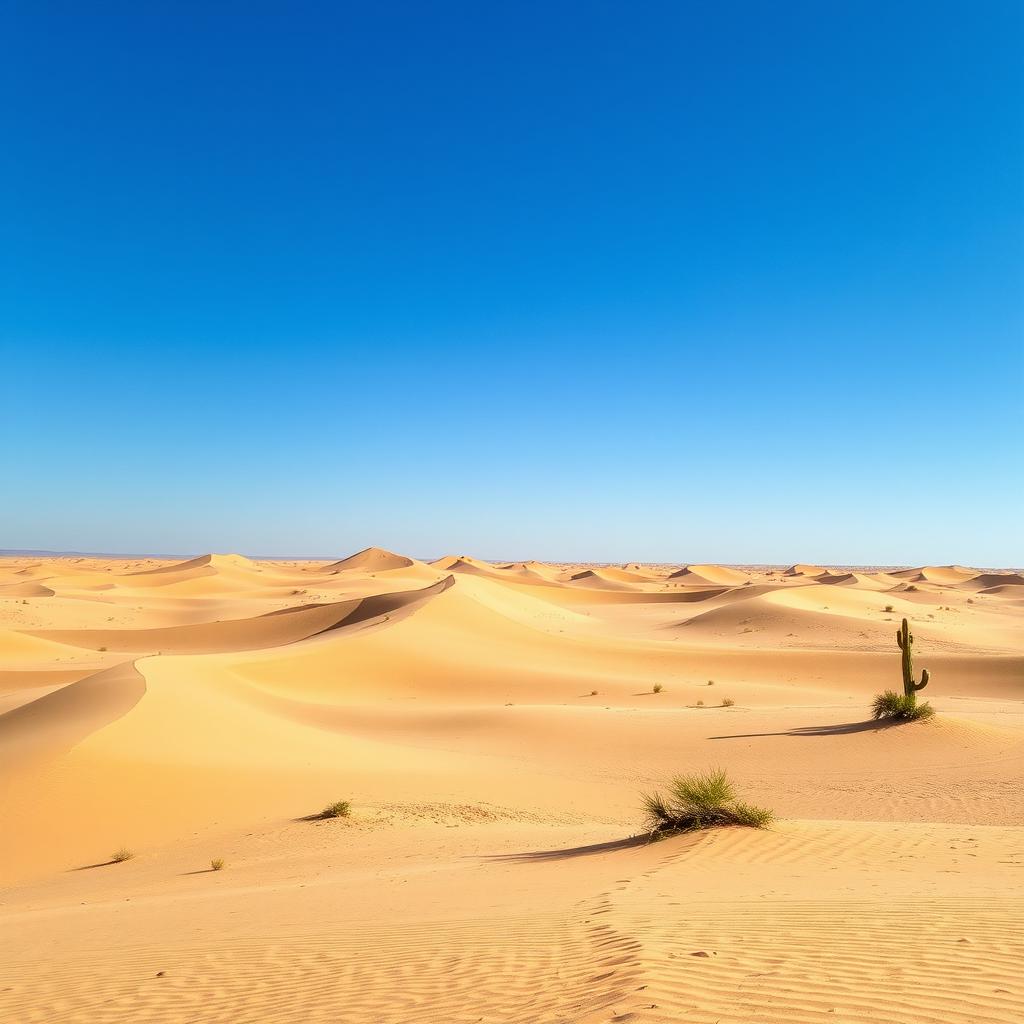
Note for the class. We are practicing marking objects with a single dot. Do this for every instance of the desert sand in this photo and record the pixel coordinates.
(494, 866)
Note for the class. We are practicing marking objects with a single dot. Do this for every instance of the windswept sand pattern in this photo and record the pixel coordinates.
(535, 970)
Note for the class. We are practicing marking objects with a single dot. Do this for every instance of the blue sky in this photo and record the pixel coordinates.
(684, 282)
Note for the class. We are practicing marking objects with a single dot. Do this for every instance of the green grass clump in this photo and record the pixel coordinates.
(121, 855)
(900, 707)
(217, 864)
(658, 687)
(339, 809)
(703, 800)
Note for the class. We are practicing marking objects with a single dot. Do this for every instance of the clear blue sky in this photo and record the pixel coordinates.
(681, 281)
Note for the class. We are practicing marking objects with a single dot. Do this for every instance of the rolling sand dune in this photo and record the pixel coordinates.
(494, 727)
(804, 569)
(370, 560)
(701, 575)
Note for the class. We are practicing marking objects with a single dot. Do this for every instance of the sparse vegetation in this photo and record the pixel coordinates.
(658, 687)
(102, 649)
(711, 682)
(217, 864)
(899, 706)
(703, 800)
(339, 809)
(912, 589)
(593, 693)
(121, 855)
(727, 702)
(889, 608)
(700, 703)
(903, 707)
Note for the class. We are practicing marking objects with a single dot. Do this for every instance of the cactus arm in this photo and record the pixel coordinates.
(924, 680)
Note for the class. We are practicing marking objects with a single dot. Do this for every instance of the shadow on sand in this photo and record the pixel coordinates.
(819, 730)
(101, 864)
(572, 851)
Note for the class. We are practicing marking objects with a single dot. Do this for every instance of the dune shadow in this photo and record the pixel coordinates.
(570, 852)
(199, 871)
(844, 729)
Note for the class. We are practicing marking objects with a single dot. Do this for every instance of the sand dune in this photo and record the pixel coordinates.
(864, 581)
(701, 575)
(273, 629)
(370, 560)
(494, 726)
(602, 578)
(805, 569)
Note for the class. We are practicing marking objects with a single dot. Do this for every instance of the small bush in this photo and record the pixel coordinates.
(339, 809)
(911, 589)
(727, 702)
(658, 687)
(102, 649)
(889, 608)
(900, 707)
(711, 682)
(700, 703)
(593, 693)
(704, 800)
(121, 855)
(217, 864)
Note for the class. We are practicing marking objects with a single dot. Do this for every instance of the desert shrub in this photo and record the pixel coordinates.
(703, 800)
(121, 855)
(339, 809)
(102, 649)
(711, 682)
(658, 687)
(889, 608)
(700, 703)
(727, 702)
(217, 864)
(593, 693)
(911, 589)
(901, 707)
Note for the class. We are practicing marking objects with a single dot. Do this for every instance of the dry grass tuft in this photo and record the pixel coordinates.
(700, 801)
(339, 809)
(901, 708)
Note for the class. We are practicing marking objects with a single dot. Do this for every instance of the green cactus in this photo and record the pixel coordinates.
(905, 639)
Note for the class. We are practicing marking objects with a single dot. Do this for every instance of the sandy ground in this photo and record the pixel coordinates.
(493, 727)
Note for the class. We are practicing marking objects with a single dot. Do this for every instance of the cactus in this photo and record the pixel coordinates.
(905, 639)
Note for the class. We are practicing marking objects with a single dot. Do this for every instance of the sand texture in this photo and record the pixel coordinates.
(493, 725)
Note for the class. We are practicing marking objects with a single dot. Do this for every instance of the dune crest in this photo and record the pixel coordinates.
(700, 575)
(370, 560)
